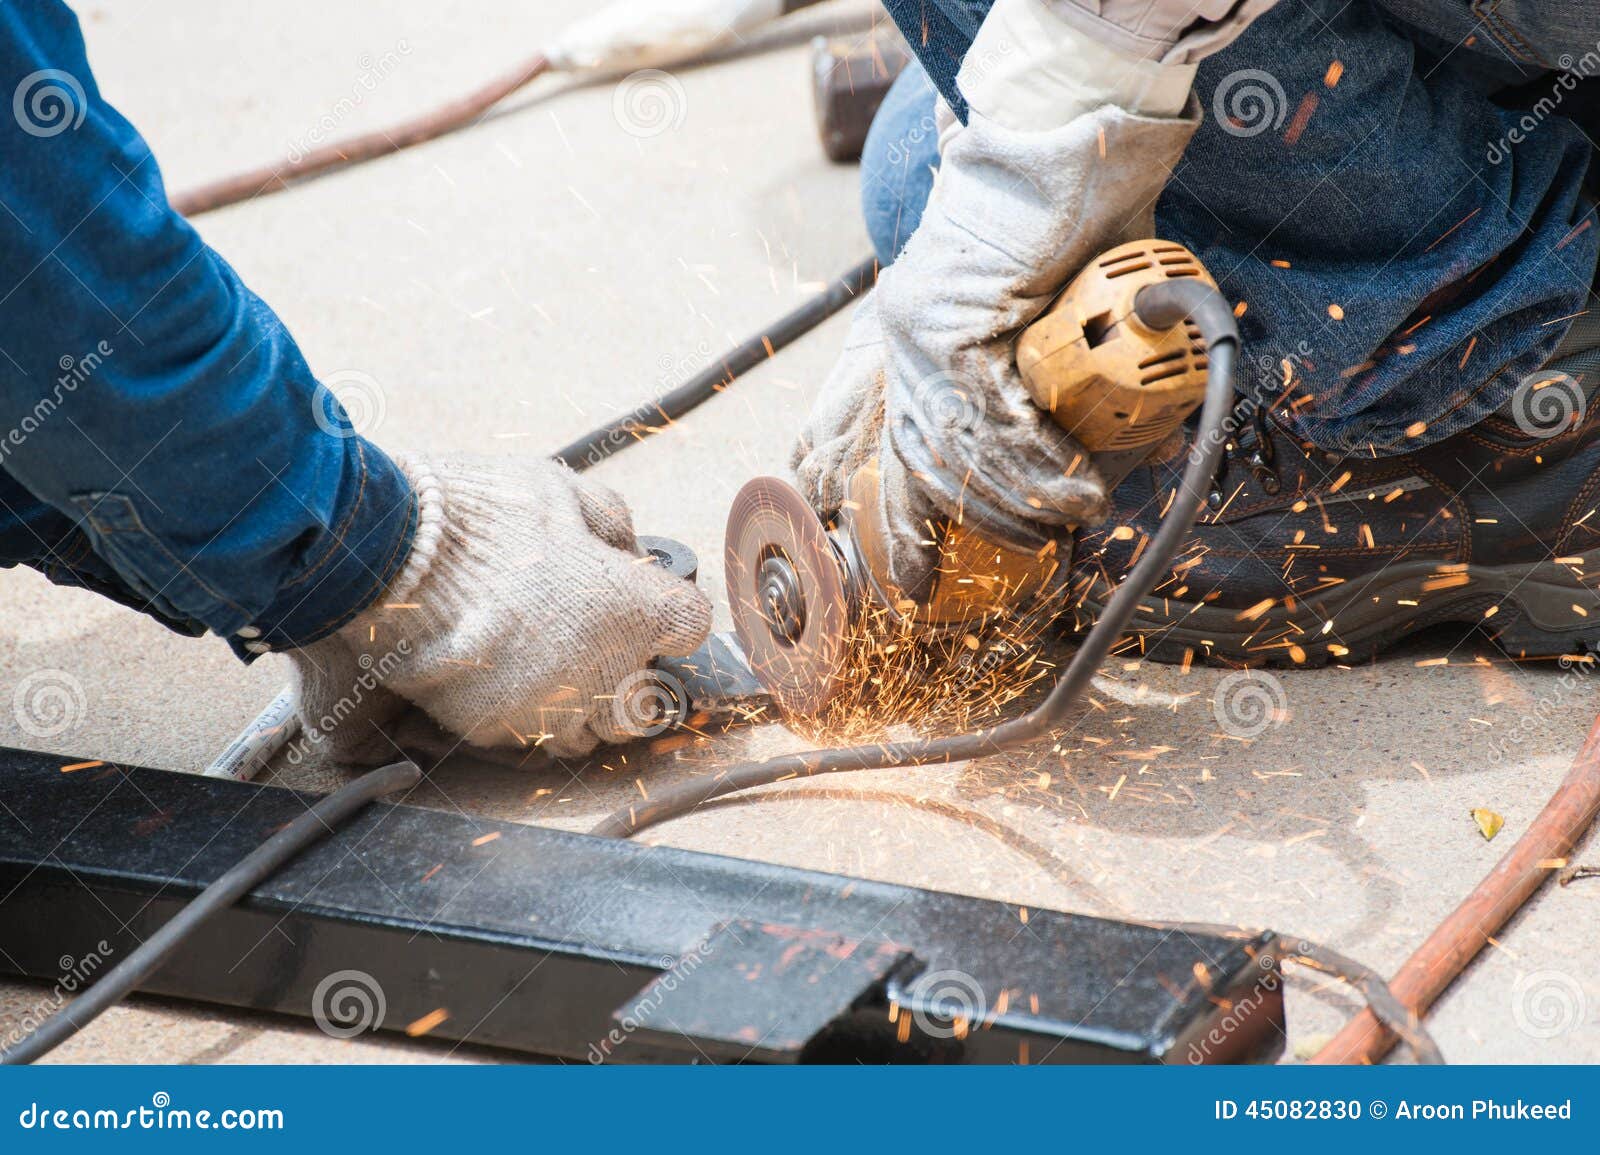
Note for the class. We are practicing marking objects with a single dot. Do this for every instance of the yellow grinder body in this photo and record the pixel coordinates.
(1120, 387)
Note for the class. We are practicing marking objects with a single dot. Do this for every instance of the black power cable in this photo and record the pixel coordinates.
(1370, 985)
(236, 882)
(599, 444)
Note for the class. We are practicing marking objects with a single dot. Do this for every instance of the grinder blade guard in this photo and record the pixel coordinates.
(1118, 382)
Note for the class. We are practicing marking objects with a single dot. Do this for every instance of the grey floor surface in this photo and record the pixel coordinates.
(508, 287)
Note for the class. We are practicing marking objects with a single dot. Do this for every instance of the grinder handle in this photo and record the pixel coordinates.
(1104, 373)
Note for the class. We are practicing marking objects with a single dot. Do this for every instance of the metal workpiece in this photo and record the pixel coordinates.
(589, 949)
(671, 555)
(716, 679)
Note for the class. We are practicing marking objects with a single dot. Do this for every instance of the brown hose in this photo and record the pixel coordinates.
(276, 177)
(1430, 971)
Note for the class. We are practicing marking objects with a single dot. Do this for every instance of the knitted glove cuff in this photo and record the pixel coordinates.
(430, 526)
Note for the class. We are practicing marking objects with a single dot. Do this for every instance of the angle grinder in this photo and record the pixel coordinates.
(1113, 362)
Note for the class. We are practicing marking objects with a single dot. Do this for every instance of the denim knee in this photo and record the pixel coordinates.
(897, 162)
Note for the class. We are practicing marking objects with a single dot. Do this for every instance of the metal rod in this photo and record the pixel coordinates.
(1438, 962)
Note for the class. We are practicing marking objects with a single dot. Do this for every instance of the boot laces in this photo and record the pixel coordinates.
(1250, 444)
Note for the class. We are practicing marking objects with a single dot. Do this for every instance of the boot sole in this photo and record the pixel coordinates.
(1541, 611)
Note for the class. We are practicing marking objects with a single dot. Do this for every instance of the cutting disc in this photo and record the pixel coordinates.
(786, 590)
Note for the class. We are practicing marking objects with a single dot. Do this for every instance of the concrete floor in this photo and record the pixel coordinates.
(509, 287)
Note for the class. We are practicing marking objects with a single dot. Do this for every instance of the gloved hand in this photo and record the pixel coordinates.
(1051, 168)
(841, 433)
(629, 34)
(522, 618)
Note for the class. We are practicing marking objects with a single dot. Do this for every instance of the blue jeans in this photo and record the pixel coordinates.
(1407, 231)
(162, 440)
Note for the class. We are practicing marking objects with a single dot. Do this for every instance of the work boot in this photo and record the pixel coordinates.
(1303, 556)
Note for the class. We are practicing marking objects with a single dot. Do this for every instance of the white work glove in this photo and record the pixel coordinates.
(1027, 194)
(1169, 31)
(630, 34)
(841, 431)
(522, 618)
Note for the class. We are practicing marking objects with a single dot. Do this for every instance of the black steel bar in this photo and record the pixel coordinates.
(576, 947)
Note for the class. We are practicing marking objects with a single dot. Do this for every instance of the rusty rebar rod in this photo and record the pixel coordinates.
(437, 122)
(1437, 963)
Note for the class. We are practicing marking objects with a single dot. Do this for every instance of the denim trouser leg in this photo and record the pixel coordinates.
(897, 162)
(1404, 252)
(1402, 265)
(161, 437)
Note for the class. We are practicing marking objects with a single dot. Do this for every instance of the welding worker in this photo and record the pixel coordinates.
(164, 443)
(1394, 194)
